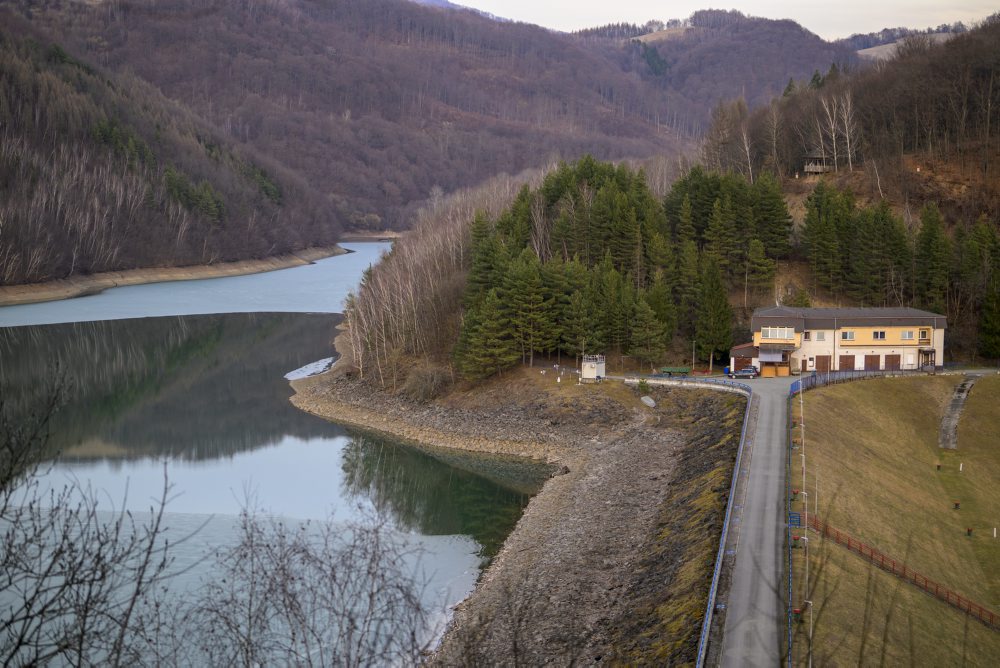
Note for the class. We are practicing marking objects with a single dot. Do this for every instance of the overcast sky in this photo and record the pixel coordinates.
(829, 20)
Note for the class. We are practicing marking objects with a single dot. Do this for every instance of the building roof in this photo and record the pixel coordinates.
(743, 350)
(835, 318)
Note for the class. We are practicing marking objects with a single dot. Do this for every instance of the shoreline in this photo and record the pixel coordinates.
(585, 567)
(82, 286)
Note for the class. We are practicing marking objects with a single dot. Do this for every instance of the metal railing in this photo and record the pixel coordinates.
(706, 625)
(821, 379)
(719, 385)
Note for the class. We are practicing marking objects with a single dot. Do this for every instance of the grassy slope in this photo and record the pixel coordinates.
(874, 448)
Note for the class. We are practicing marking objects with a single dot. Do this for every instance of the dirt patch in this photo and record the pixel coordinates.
(614, 534)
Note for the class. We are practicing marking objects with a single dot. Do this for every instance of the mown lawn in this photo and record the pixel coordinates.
(872, 462)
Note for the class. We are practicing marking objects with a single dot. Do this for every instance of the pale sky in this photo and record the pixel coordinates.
(829, 20)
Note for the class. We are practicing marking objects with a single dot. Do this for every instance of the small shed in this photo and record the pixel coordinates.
(742, 356)
(592, 370)
(816, 163)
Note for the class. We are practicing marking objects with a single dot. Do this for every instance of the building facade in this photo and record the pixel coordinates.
(789, 340)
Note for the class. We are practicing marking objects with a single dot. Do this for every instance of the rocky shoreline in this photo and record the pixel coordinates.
(568, 579)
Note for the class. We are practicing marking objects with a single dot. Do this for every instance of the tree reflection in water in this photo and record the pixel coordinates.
(475, 495)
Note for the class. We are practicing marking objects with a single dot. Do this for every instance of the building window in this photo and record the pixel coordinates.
(878, 336)
(821, 336)
(847, 336)
(777, 333)
(805, 335)
(908, 335)
(925, 335)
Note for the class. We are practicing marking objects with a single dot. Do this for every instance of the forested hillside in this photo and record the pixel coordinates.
(718, 55)
(101, 172)
(909, 209)
(375, 103)
(589, 260)
(384, 103)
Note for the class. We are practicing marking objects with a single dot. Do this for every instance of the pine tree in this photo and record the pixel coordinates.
(649, 339)
(719, 236)
(713, 330)
(932, 252)
(531, 316)
(772, 222)
(660, 299)
(580, 331)
(759, 269)
(826, 211)
(688, 280)
(989, 323)
(489, 260)
(485, 346)
(685, 222)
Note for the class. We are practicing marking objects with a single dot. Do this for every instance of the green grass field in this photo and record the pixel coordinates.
(872, 463)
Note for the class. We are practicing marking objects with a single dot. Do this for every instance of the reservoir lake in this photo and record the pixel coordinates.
(188, 380)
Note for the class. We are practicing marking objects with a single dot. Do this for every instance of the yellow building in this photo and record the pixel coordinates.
(796, 340)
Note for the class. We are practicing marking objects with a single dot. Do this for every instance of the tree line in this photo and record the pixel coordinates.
(587, 259)
(938, 101)
(868, 255)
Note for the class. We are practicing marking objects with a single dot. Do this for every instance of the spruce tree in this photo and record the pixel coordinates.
(688, 281)
(772, 222)
(932, 253)
(485, 345)
(660, 299)
(759, 269)
(649, 338)
(580, 332)
(531, 316)
(713, 330)
(685, 222)
(989, 323)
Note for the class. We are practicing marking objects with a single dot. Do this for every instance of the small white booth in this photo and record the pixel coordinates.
(592, 370)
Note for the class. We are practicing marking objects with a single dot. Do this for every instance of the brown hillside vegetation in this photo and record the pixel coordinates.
(933, 104)
(100, 172)
(374, 102)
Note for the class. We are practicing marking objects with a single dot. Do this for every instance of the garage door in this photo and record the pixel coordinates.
(892, 362)
(822, 362)
(872, 363)
(742, 363)
(846, 363)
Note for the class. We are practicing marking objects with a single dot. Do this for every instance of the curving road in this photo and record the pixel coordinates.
(755, 615)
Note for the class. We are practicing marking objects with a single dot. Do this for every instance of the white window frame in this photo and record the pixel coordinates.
(907, 335)
(806, 336)
(821, 336)
(847, 336)
(777, 332)
(925, 335)
(879, 335)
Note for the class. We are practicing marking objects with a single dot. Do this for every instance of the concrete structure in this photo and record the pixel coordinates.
(592, 370)
(797, 340)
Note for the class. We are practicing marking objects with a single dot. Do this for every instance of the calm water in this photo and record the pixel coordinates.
(207, 395)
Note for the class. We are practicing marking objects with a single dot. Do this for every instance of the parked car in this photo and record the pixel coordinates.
(745, 372)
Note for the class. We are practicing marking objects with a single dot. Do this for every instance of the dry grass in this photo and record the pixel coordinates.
(873, 448)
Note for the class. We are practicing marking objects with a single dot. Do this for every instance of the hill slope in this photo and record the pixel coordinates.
(101, 173)
(375, 103)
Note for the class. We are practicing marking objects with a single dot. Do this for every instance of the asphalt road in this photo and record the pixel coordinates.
(755, 617)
